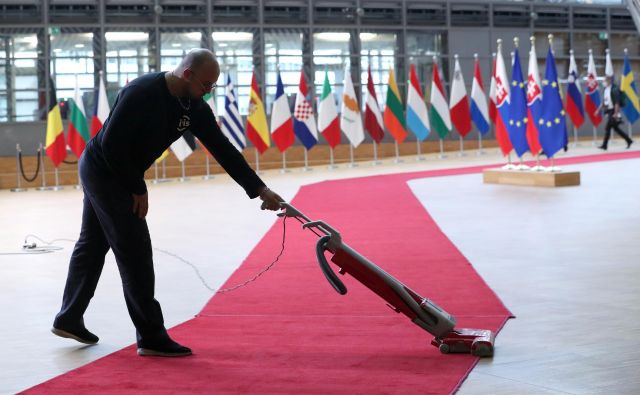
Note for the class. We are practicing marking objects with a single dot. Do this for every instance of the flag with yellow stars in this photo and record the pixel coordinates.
(552, 126)
(517, 123)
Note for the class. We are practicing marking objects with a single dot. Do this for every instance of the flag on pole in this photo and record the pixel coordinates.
(502, 104)
(492, 93)
(101, 112)
(592, 98)
(183, 146)
(232, 121)
(328, 122)
(553, 128)
(281, 121)
(459, 102)
(257, 129)
(608, 68)
(534, 103)
(55, 147)
(351, 119)
(440, 117)
(372, 114)
(517, 126)
(393, 114)
(574, 97)
(78, 129)
(304, 122)
(479, 110)
(417, 114)
(631, 107)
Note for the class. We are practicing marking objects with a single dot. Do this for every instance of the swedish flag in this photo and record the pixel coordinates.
(631, 107)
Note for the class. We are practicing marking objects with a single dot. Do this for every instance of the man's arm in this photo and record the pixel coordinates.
(207, 130)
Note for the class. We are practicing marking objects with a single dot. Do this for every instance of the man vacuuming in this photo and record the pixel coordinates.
(149, 114)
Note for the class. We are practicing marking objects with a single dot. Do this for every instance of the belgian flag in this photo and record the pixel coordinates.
(55, 145)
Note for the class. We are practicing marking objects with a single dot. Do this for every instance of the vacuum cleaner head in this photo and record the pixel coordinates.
(478, 342)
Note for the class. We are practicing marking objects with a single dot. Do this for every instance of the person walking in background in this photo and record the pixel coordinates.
(612, 103)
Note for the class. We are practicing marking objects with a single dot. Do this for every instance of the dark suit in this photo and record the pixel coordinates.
(612, 121)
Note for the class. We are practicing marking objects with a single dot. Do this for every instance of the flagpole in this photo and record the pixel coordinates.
(306, 161)
(208, 175)
(630, 129)
(537, 167)
(44, 186)
(442, 155)
(284, 164)
(331, 165)
(352, 164)
(257, 162)
(398, 160)
(155, 171)
(480, 152)
(375, 154)
(184, 177)
(461, 153)
(164, 171)
(595, 136)
(575, 136)
(419, 151)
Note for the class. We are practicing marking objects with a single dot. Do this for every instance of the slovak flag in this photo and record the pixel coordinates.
(479, 111)
(534, 104)
(592, 96)
(304, 122)
(502, 103)
(281, 121)
(574, 98)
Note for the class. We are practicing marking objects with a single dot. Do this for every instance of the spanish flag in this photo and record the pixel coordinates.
(55, 146)
(257, 129)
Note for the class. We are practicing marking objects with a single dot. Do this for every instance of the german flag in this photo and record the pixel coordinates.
(55, 146)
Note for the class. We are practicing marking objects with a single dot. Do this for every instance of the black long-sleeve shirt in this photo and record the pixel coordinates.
(145, 120)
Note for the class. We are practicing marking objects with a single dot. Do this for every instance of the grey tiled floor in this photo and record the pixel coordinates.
(565, 261)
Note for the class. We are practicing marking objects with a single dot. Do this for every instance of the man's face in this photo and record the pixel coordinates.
(202, 79)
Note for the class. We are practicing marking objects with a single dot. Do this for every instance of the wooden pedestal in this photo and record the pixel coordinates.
(531, 178)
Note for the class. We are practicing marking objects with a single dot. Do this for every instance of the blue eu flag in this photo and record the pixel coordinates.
(517, 123)
(552, 126)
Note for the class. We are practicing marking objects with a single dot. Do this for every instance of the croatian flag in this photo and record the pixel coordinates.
(232, 121)
(518, 109)
(502, 104)
(492, 93)
(592, 96)
(281, 121)
(534, 104)
(574, 97)
(479, 110)
(304, 122)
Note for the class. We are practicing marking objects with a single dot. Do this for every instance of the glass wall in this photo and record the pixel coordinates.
(283, 51)
(421, 48)
(127, 57)
(331, 51)
(174, 45)
(234, 51)
(378, 51)
(72, 64)
(18, 77)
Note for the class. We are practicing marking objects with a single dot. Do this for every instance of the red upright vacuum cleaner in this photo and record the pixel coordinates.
(421, 311)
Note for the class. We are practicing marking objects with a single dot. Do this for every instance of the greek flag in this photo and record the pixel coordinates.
(232, 121)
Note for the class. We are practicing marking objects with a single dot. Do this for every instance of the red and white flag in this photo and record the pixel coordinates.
(102, 108)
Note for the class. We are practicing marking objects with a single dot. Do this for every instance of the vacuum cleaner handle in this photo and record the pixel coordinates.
(324, 265)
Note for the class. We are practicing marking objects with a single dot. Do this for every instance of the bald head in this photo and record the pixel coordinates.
(199, 70)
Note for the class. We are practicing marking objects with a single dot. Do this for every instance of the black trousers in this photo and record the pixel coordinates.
(108, 222)
(613, 123)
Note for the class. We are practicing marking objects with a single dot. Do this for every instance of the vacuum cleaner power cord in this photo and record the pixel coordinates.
(34, 248)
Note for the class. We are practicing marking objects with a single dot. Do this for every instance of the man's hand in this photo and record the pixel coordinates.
(270, 200)
(140, 205)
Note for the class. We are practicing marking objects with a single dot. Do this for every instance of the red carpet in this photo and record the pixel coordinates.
(289, 332)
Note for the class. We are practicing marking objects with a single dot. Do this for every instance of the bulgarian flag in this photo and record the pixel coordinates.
(393, 113)
(328, 122)
(257, 128)
(78, 128)
(55, 146)
(440, 117)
